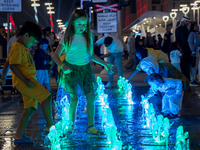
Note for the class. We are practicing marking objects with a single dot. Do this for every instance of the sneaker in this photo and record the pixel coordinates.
(24, 140)
(108, 85)
(194, 83)
(172, 116)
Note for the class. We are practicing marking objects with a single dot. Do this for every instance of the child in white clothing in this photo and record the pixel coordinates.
(175, 55)
(173, 94)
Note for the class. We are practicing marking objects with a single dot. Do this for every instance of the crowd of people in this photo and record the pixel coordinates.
(160, 59)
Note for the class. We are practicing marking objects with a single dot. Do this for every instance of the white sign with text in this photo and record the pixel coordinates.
(107, 22)
(10, 5)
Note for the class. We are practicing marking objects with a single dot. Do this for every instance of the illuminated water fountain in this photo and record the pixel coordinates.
(182, 139)
(101, 96)
(125, 90)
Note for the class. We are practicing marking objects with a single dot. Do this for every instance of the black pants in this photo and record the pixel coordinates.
(185, 61)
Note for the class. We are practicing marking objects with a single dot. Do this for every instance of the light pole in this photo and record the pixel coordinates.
(185, 9)
(173, 15)
(35, 5)
(50, 12)
(165, 19)
(60, 24)
(196, 2)
(194, 8)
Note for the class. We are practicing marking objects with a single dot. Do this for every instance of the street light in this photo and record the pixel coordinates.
(185, 9)
(196, 2)
(35, 5)
(165, 19)
(50, 12)
(173, 15)
(194, 8)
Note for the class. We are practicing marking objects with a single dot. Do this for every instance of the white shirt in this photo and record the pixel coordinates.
(175, 56)
(12, 39)
(116, 45)
(76, 53)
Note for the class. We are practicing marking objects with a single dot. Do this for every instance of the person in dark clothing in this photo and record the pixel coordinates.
(159, 40)
(155, 41)
(168, 39)
(3, 42)
(182, 34)
(43, 64)
(148, 41)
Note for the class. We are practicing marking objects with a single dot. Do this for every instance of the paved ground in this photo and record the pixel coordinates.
(127, 119)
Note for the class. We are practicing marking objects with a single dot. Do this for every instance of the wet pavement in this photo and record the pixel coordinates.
(127, 117)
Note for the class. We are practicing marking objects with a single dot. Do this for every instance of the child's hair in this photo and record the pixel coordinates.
(173, 46)
(155, 77)
(142, 51)
(32, 29)
(108, 40)
(44, 41)
(48, 29)
(69, 33)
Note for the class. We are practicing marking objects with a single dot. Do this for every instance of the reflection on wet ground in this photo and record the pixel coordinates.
(127, 119)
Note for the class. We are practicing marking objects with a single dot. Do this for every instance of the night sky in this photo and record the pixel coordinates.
(62, 8)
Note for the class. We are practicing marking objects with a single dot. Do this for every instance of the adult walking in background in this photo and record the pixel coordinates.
(182, 34)
(160, 39)
(131, 64)
(167, 40)
(148, 41)
(194, 43)
(3, 41)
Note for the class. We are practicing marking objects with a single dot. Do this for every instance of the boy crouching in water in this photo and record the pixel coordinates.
(172, 94)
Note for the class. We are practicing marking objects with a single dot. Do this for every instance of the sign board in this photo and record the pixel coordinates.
(10, 5)
(109, 7)
(99, 1)
(107, 22)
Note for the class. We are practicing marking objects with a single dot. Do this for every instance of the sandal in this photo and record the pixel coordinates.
(25, 140)
(93, 131)
(70, 129)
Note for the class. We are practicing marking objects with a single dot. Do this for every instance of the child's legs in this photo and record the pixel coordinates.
(119, 64)
(177, 65)
(165, 104)
(72, 107)
(175, 103)
(24, 118)
(31, 97)
(192, 73)
(111, 60)
(46, 108)
(40, 77)
(90, 107)
(47, 80)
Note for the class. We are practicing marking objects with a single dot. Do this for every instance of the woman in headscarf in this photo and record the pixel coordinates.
(149, 65)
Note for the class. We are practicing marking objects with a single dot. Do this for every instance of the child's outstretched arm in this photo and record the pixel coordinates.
(108, 66)
(4, 73)
(133, 74)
